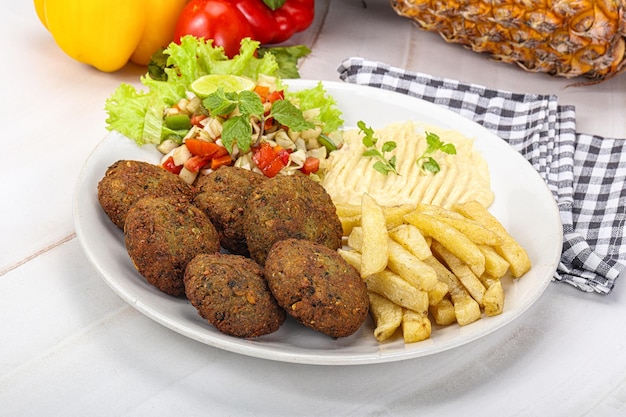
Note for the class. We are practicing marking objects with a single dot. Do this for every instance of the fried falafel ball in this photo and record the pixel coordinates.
(162, 235)
(317, 287)
(223, 195)
(126, 181)
(289, 206)
(230, 292)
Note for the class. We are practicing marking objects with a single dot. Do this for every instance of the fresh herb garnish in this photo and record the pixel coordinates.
(383, 165)
(238, 129)
(433, 144)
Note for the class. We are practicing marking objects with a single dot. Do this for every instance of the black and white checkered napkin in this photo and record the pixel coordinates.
(586, 174)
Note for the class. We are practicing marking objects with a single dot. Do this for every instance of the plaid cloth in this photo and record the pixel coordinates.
(586, 174)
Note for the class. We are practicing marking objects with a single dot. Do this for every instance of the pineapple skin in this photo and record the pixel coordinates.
(566, 38)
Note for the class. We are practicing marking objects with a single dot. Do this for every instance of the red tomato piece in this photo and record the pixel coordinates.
(283, 154)
(310, 166)
(197, 118)
(267, 160)
(273, 168)
(170, 166)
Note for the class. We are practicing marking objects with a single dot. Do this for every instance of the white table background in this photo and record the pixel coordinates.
(69, 346)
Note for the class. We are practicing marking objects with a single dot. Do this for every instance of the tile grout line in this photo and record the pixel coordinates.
(37, 254)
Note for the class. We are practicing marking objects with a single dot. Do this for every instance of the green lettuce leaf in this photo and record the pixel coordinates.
(317, 97)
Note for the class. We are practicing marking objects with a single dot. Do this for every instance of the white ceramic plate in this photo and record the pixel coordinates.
(523, 204)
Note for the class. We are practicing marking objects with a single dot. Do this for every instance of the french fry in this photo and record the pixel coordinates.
(494, 296)
(443, 312)
(348, 210)
(494, 299)
(352, 257)
(386, 314)
(438, 292)
(476, 232)
(495, 265)
(355, 238)
(348, 223)
(424, 262)
(412, 239)
(456, 242)
(466, 309)
(394, 288)
(465, 275)
(415, 326)
(409, 267)
(510, 249)
(375, 237)
(394, 215)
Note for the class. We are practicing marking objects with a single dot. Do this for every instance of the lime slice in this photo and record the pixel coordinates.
(208, 84)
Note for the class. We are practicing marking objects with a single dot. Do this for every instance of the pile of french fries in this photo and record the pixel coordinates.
(424, 264)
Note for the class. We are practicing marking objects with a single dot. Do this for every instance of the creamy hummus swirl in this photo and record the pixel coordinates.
(463, 177)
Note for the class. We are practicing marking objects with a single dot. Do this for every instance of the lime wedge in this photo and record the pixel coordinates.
(208, 84)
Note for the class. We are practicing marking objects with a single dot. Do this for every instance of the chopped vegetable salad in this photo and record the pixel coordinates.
(244, 117)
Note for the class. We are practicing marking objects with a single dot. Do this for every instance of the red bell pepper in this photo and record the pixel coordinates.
(275, 21)
(205, 148)
(227, 22)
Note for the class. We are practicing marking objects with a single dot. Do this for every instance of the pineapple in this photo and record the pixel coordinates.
(567, 38)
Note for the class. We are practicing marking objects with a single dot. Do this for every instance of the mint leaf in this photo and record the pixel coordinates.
(237, 130)
(289, 115)
(250, 103)
(220, 103)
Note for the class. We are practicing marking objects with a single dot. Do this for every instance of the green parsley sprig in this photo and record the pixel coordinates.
(238, 129)
(433, 144)
(383, 165)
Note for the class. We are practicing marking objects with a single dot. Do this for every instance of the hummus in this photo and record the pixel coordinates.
(463, 177)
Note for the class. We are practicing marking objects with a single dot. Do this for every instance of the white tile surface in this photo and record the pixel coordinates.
(71, 347)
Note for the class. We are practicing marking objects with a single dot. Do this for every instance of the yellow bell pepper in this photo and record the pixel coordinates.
(108, 33)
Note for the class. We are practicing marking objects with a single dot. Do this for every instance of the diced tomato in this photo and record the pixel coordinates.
(273, 168)
(196, 163)
(268, 160)
(204, 148)
(170, 166)
(264, 155)
(197, 118)
(283, 154)
(221, 161)
(310, 166)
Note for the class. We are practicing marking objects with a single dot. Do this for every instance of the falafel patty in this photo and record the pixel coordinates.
(126, 181)
(316, 286)
(162, 235)
(289, 206)
(223, 195)
(230, 292)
